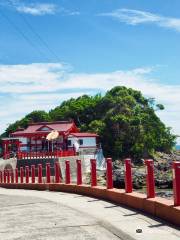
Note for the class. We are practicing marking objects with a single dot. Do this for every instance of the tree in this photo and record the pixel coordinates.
(125, 120)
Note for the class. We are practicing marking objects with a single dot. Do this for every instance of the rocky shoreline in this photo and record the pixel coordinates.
(162, 170)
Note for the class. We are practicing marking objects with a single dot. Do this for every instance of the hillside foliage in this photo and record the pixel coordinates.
(125, 121)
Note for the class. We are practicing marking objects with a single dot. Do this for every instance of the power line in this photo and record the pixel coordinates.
(40, 38)
(22, 34)
(36, 34)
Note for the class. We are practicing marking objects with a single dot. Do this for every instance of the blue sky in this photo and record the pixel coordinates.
(51, 50)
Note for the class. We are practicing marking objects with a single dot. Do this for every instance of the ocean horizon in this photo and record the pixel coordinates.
(177, 147)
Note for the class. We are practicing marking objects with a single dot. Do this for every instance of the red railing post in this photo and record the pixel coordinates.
(79, 172)
(128, 176)
(32, 173)
(39, 173)
(27, 174)
(68, 174)
(16, 175)
(1, 178)
(21, 174)
(150, 178)
(93, 173)
(48, 173)
(109, 173)
(12, 176)
(8, 176)
(176, 183)
(57, 172)
(4, 176)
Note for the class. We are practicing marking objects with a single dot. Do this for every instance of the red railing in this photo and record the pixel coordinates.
(27, 175)
(55, 154)
(6, 156)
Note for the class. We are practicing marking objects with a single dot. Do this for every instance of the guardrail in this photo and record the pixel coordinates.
(27, 178)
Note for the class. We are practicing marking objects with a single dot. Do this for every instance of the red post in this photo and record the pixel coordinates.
(39, 173)
(1, 178)
(8, 176)
(21, 175)
(57, 172)
(93, 173)
(12, 176)
(176, 183)
(128, 176)
(68, 174)
(150, 178)
(33, 173)
(48, 173)
(79, 172)
(4, 175)
(27, 174)
(16, 175)
(109, 173)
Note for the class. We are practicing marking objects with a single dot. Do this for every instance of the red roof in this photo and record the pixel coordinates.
(85, 134)
(63, 127)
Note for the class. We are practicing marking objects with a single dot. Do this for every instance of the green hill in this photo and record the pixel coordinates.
(125, 120)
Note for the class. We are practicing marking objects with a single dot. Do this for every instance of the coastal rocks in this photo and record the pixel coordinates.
(162, 170)
(161, 157)
(119, 178)
(165, 194)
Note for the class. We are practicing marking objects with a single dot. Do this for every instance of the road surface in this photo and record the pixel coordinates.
(36, 215)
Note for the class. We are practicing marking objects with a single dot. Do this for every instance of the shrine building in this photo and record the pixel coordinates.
(62, 137)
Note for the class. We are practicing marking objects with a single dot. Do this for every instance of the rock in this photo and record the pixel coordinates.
(139, 230)
(118, 178)
(165, 194)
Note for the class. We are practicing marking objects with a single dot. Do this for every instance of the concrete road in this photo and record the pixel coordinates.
(26, 215)
(35, 218)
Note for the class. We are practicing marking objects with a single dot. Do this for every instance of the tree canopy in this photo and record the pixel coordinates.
(125, 120)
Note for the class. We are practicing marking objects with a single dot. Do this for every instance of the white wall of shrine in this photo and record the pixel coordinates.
(84, 141)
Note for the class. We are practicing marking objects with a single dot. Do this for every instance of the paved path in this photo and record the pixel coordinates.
(26, 215)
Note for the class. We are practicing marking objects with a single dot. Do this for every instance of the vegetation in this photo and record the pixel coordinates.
(125, 120)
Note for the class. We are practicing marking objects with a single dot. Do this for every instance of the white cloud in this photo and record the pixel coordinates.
(37, 9)
(68, 12)
(135, 17)
(43, 86)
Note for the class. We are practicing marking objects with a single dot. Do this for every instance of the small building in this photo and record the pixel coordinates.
(61, 137)
(87, 142)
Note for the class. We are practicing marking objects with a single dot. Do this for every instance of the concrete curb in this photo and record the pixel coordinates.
(157, 207)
